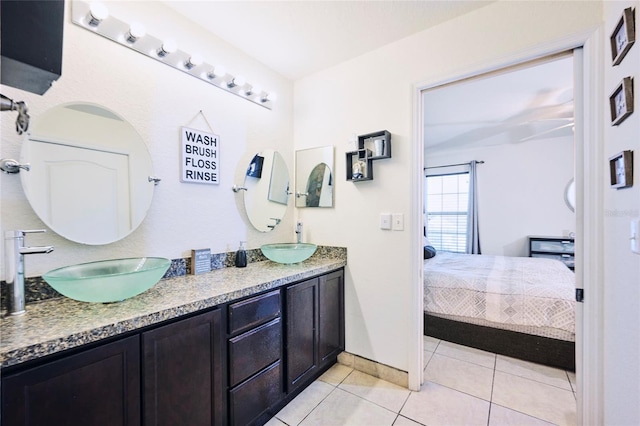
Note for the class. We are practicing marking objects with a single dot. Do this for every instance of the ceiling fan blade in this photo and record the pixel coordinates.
(564, 130)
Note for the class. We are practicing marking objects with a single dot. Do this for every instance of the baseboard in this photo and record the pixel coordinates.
(376, 369)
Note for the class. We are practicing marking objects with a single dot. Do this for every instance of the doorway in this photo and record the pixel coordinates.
(582, 172)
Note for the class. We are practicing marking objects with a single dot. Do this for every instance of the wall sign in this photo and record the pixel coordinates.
(200, 261)
(200, 159)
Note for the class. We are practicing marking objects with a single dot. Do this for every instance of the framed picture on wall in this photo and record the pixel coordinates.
(623, 36)
(621, 101)
(621, 170)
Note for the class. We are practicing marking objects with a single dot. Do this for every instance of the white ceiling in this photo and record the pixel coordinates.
(513, 106)
(298, 38)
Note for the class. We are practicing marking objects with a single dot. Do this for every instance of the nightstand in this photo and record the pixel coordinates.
(559, 248)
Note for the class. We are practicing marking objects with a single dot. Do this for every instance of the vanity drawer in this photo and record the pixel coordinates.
(553, 246)
(253, 397)
(254, 350)
(252, 312)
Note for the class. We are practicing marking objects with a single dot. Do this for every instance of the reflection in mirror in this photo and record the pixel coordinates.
(314, 177)
(90, 169)
(267, 194)
(570, 195)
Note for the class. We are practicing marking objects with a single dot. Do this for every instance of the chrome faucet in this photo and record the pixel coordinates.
(14, 251)
(299, 232)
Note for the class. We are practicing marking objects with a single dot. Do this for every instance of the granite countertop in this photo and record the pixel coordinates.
(54, 325)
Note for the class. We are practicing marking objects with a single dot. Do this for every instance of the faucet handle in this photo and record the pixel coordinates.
(20, 233)
(33, 231)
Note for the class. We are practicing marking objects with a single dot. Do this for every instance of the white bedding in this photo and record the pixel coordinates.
(532, 295)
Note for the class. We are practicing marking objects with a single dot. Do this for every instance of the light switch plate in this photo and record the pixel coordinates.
(398, 222)
(385, 221)
(635, 236)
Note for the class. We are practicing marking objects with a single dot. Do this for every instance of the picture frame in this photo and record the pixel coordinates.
(621, 170)
(623, 36)
(621, 101)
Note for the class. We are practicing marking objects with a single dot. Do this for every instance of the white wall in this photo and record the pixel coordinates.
(520, 191)
(375, 92)
(157, 100)
(622, 267)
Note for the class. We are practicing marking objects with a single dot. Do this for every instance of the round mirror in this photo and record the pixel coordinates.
(570, 195)
(267, 190)
(89, 176)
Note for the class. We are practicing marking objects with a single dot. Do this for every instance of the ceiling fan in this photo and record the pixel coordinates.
(548, 114)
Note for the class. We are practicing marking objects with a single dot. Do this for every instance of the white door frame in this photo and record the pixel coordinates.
(589, 215)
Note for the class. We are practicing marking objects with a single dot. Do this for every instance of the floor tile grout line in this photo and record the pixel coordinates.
(537, 381)
(458, 390)
(464, 360)
(408, 418)
(522, 412)
(316, 406)
(405, 403)
(493, 383)
(375, 403)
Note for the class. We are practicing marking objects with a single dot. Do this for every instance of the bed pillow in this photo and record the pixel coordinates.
(429, 252)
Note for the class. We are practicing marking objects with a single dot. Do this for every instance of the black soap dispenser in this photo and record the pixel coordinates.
(241, 256)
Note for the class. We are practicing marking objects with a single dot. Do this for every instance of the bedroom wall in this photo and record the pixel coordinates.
(375, 92)
(520, 189)
(157, 100)
(621, 266)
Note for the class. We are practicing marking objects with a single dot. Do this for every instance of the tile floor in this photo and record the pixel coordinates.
(463, 386)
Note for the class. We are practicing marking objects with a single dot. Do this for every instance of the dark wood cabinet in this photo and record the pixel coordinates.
(99, 386)
(315, 326)
(183, 372)
(255, 357)
(31, 43)
(237, 364)
(302, 336)
(331, 317)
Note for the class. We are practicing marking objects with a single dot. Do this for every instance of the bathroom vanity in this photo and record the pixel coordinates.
(232, 346)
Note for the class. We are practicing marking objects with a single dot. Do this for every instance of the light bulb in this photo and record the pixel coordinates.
(254, 90)
(168, 47)
(271, 97)
(136, 31)
(97, 12)
(193, 61)
(236, 81)
(216, 72)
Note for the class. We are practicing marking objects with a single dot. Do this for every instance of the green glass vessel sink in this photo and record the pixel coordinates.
(288, 252)
(108, 280)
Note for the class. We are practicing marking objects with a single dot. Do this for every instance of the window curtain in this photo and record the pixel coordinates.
(473, 231)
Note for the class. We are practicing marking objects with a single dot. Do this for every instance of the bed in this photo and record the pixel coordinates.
(515, 306)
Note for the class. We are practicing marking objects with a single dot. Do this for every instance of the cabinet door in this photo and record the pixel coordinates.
(301, 324)
(331, 316)
(99, 386)
(183, 366)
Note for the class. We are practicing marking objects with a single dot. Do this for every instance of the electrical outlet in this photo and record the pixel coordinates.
(635, 236)
(385, 221)
(398, 222)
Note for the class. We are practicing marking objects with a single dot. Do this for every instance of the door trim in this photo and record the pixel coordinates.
(589, 216)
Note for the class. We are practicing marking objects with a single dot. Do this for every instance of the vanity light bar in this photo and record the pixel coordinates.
(95, 17)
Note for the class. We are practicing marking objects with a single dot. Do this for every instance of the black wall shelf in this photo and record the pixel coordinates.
(360, 162)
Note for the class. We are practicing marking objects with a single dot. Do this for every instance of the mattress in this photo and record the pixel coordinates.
(529, 295)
